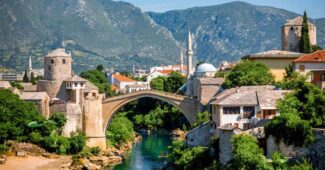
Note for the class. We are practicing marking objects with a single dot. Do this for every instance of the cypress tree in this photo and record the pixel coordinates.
(25, 78)
(304, 45)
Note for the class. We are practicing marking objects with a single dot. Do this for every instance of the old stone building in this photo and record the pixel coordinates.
(291, 33)
(76, 97)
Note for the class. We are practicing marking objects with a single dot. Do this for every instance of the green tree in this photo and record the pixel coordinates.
(60, 120)
(99, 80)
(15, 115)
(174, 81)
(100, 68)
(202, 117)
(247, 154)
(120, 130)
(278, 161)
(25, 78)
(315, 48)
(304, 44)
(158, 83)
(77, 142)
(248, 73)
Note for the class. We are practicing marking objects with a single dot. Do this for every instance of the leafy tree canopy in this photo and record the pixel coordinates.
(15, 115)
(99, 80)
(248, 73)
(247, 154)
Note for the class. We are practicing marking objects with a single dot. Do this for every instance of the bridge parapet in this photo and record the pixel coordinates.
(153, 92)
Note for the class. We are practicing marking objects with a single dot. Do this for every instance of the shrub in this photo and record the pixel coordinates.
(95, 150)
(302, 165)
(202, 117)
(120, 131)
(35, 137)
(59, 118)
(77, 143)
(63, 145)
(3, 148)
(247, 154)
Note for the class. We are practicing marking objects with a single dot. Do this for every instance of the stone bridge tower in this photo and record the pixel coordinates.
(57, 68)
(291, 33)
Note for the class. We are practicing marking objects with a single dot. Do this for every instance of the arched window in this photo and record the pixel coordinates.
(52, 61)
(63, 61)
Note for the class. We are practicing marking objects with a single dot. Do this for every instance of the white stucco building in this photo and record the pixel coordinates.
(245, 107)
(313, 66)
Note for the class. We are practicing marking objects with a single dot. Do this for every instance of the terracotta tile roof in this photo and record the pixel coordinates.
(165, 71)
(114, 87)
(122, 78)
(315, 57)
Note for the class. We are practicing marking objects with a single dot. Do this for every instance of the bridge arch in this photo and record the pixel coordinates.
(111, 105)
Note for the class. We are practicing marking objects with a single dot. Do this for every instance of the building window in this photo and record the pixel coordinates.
(63, 61)
(49, 67)
(75, 84)
(52, 61)
(302, 68)
(231, 110)
(248, 112)
(81, 84)
(323, 77)
(291, 28)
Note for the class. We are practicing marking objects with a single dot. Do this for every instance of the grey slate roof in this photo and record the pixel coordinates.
(264, 96)
(76, 78)
(34, 96)
(213, 81)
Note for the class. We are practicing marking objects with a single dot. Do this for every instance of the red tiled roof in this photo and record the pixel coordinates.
(114, 87)
(121, 78)
(165, 71)
(315, 57)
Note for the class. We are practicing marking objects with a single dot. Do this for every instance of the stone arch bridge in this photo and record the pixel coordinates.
(96, 125)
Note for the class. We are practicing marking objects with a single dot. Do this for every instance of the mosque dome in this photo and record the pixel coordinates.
(205, 67)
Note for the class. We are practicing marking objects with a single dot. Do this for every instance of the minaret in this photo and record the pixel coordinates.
(181, 61)
(189, 55)
(30, 67)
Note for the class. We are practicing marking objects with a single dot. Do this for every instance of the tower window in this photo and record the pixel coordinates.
(63, 61)
(49, 67)
(291, 28)
(52, 61)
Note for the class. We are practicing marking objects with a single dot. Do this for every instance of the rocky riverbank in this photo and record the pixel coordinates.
(29, 156)
(111, 156)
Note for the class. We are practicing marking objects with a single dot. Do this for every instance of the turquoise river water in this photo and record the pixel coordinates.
(147, 154)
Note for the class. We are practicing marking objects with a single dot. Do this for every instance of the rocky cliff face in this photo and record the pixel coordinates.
(96, 32)
(230, 31)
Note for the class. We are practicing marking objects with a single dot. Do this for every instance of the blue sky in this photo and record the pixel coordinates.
(315, 8)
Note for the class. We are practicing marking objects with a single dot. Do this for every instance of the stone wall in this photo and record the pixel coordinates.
(199, 136)
(225, 145)
(74, 119)
(315, 152)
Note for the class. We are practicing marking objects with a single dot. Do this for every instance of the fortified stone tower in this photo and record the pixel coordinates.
(57, 68)
(291, 33)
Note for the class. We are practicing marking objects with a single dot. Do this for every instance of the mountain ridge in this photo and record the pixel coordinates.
(229, 31)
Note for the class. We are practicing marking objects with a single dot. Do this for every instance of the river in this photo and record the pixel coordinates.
(145, 154)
